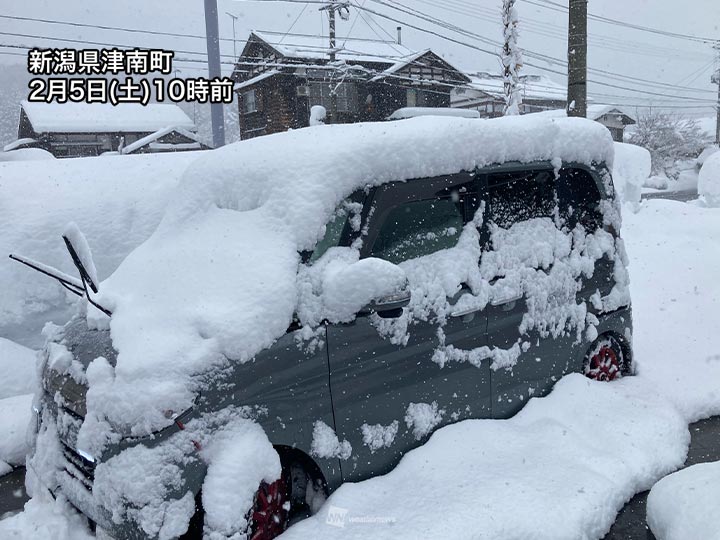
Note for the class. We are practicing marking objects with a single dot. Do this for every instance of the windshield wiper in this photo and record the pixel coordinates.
(72, 284)
(80, 255)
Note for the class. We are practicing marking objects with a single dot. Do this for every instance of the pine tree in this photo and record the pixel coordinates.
(511, 59)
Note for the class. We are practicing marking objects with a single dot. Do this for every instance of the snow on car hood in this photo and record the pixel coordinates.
(216, 282)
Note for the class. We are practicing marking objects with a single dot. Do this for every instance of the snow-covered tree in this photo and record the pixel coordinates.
(669, 137)
(511, 59)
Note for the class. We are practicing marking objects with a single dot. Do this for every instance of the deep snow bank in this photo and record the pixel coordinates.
(674, 252)
(685, 504)
(17, 369)
(709, 180)
(217, 279)
(117, 201)
(560, 469)
(630, 170)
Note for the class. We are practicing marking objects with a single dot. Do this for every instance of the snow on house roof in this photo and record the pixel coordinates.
(18, 143)
(537, 87)
(597, 111)
(258, 78)
(594, 112)
(243, 213)
(414, 112)
(104, 117)
(130, 148)
(316, 47)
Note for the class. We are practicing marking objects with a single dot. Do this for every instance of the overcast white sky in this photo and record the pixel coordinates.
(616, 49)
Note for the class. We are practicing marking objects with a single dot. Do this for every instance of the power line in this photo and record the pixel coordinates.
(546, 58)
(104, 27)
(559, 7)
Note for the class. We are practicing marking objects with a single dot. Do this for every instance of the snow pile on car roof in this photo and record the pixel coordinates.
(217, 280)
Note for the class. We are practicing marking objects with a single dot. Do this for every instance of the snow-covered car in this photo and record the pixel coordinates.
(316, 303)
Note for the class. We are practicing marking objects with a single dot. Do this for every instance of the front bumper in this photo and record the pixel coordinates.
(74, 472)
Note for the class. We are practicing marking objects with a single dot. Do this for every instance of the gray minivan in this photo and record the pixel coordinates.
(357, 377)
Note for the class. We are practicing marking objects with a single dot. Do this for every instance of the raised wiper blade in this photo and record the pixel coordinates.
(72, 284)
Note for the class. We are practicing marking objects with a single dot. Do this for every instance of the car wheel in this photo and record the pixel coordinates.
(605, 360)
(268, 518)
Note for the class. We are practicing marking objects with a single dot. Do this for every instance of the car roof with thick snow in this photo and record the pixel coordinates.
(218, 278)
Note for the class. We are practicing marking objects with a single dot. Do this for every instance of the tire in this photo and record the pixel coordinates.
(606, 359)
(276, 505)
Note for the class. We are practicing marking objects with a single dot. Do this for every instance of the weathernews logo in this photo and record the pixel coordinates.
(338, 517)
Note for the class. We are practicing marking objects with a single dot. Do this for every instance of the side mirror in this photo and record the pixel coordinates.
(366, 286)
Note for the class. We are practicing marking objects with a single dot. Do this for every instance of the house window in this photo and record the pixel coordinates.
(249, 102)
(416, 98)
(347, 99)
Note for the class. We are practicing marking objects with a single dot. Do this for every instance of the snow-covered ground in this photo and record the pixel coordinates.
(685, 504)
(560, 469)
(674, 251)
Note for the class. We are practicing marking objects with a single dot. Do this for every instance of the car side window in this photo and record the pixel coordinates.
(579, 199)
(519, 196)
(418, 228)
(348, 213)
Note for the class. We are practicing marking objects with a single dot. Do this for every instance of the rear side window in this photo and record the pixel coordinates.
(579, 199)
(418, 228)
(520, 196)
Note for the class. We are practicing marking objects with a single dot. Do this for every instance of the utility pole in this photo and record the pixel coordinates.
(234, 18)
(716, 80)
(511, 59)
(342, 9)
(213, 50)
(577, 59)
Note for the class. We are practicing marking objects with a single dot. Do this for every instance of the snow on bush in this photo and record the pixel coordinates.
(631, 170)
(217, 281)
(422, 418)
(560, 469)
(116, 200)
(709, 181)
(685, 504)
(325, 443)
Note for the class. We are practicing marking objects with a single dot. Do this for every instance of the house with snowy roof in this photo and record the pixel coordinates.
(613, 117)
(280, 78)
(486, 94)
(82, 129)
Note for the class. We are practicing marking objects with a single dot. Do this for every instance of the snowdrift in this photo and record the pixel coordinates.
(684, 504)
(116, 200)
(709, 180)
(560, 469)
(630, 171)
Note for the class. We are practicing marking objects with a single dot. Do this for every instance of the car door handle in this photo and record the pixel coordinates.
(463, 312)
(507, 300)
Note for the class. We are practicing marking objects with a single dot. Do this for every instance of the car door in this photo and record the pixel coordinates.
(522, 241)
(389, 395)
